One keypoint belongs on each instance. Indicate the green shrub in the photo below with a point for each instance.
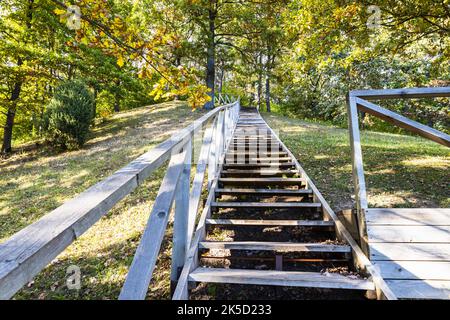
(68, 116)
(105, 104)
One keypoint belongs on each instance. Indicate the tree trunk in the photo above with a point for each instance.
(15, 94)
(10, 115)
(117, 97)
(221, 77)
(260, 81)
(268, 92)
(269, 65)
(211, 59)
(116, 102)
(177, 64)
(94, 111)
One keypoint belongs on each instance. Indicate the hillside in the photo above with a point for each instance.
(401, 171)
(35, 181)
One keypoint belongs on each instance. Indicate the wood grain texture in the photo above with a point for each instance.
(242, 222)
(414, 270)
(144, 261)
(410, 251)
(279, 278)
(409, 234)
(408, 217)
(407, 93)
(420, 289)
(271, 246)
(403, 122)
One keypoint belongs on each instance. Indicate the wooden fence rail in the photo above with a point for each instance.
(357, 101)
(31, 249)
(176, 186)
(221, 98)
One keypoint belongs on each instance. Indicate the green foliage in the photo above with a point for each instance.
(303, 55)
(338, 51)
(104, 104)
(322, 94)
(68, 115)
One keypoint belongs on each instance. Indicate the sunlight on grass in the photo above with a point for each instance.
(35, 181)
(436, 162)
(401, 170)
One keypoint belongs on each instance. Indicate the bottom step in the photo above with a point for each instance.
(279, 278)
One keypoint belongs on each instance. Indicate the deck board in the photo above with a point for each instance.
(420, 289)
(411, 217)
(411, 248)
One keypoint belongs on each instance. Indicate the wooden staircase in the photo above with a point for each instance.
(265, 225)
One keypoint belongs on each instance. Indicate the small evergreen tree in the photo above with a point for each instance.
(68, 115)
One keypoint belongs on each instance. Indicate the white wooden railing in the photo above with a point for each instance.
(31, 249)
(358, 101)
(221, 98)
(175, 188)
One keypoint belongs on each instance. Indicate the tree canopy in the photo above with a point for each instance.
(300, 57)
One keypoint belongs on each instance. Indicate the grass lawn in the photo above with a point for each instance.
(34, 182)
(401, 171)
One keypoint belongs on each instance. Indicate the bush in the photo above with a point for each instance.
(105, 104)
(68, 115)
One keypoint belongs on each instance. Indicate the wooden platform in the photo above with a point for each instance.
(411, 248)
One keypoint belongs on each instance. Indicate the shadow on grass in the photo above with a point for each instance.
(36, 182)
(103, 274)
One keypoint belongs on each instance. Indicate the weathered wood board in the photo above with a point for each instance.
(411, 248)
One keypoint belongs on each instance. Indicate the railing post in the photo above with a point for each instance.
(219, 140)
(144, 261)
(230, 123)
(224, 132)
(212, 154)
(197, 184)
(180, 225)
(358, 170)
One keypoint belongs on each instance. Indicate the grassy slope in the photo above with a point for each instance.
(401, 171)
(33, 183)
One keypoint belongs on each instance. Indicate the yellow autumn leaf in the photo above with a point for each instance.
(120, 61)
(59, 11)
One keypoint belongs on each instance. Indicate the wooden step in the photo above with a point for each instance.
(253, 130)
(265, 161)
(254, 139)
(265, 192)
(275, 246)
(252, 136)
(279, 278)
(250, 126)
(252, 146)
(257, 133)
(258, 122)
(270, 159)
(261, 172)
(265, 205)
(289, 223)
(256, 152)
(259, 165)
(246, 141)
(264, 181)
